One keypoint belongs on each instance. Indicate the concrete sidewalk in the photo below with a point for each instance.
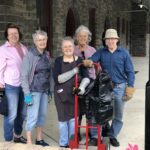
(133, 129)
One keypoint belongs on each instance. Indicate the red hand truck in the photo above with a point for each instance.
(74, 143)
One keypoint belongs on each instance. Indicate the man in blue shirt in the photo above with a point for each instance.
(116, 61)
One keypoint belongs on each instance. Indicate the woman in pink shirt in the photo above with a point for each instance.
(83, 49)
(12, 53)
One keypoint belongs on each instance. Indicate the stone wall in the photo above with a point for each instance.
(20, 12)
(110, 8)
(24, 13)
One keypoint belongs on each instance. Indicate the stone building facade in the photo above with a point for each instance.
(61, 17)
(21, 12)
(96, 14)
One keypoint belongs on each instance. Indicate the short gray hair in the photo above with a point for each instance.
(67, 38)
(39, 32)
(85, 29)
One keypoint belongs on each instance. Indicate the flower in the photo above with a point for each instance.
(132, 147)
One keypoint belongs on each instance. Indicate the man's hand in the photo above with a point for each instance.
(88, 63)
(129, 93)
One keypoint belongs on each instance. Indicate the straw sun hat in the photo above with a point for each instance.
(111, 33)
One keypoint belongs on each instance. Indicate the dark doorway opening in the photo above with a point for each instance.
(72, 22)
(44, 15)
(92, 27)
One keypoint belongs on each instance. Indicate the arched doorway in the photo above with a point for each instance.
(72, 22)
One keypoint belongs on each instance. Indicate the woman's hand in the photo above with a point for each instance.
(28, 99)
(1, 86)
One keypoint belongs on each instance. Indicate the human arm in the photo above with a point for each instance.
(67, 75)
(25, 71)
(1, 86)
(84, 83)
(3, 65)
(85, 79)
(60, 77)
(51, 89)
(51, 80)
(25, 80)
(129, 70)
(94, 58)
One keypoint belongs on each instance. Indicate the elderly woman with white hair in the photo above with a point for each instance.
(36, 73)
(85, 51)
(65, 68)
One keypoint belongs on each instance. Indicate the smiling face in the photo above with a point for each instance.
(13, 36)
(67, 48)
(82, 38)
(111, 43)
(40, 42)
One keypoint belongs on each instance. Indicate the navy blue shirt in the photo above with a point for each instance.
(117, 64)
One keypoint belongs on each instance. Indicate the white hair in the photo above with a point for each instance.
(37, 33)
(83, 28)
(67, 38)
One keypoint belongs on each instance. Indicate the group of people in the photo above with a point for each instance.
(27, 76)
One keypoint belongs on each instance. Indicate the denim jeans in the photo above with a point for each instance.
(14, 120)
(66, 130)
(36, 113)
(117, 122)
(93, 131)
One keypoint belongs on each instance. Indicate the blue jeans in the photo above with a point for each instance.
(36, 113)
(117, 123)
(66, 130)
(93, 131)
(14, 120)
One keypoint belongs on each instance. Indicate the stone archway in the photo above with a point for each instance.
(72, 22)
